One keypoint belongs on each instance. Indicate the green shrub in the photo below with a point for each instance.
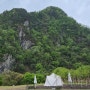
(0, 80)
(11, 78)
(63, 72)
(28, 78)
(82, 72)
(40, 78)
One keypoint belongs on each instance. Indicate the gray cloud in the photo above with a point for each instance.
(78, 9)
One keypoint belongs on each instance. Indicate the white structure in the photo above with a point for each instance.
(69, 78)
(53, 80)
(35, 81)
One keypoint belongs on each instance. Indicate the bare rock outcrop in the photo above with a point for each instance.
(7, 64)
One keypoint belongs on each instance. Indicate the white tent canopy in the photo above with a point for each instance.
(53, 80)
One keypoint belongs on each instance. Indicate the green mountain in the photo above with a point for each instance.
(42, 41)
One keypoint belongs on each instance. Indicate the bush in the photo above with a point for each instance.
(63, 72)
(82, 72)
(11, 78)
(40, 78)
(28, 78)
(0, 80)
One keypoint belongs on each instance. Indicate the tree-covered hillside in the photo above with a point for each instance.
(42, 41)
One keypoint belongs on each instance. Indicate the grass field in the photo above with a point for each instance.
(22, 87)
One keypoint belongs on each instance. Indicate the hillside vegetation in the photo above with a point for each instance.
(42, 41)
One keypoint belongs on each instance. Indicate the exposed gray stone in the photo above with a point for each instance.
(7, 64)
(26, 23)
(26, 44)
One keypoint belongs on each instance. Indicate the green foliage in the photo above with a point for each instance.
(63, 72)
(40, 78)
(0, 80)
(28, 78)
(11, 78)
(83, 72)
(58, 40)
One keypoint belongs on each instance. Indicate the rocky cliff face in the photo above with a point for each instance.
(25, 44)
(7, 64)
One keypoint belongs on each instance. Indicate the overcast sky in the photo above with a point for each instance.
(78, 9)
